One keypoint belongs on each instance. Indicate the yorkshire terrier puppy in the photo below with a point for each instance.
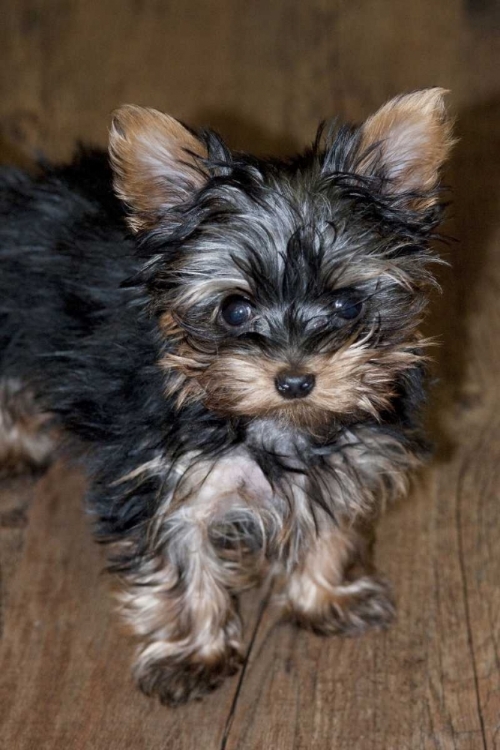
(235, 344)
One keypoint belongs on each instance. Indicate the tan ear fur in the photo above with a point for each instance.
(410, 138)
(155, 164)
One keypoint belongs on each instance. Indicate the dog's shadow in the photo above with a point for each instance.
(249, 136)
(474, 217)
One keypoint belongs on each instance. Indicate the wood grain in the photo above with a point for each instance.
(265, 74)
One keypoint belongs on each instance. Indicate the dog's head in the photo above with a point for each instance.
(291, 289)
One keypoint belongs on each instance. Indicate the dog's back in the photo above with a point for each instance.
(64, 252)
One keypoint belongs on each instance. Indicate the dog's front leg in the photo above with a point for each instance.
(178, 604)
(332, 589)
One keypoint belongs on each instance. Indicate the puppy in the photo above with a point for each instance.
(233, 345)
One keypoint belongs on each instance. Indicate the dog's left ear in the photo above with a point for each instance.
(406, 142)
(157, 163)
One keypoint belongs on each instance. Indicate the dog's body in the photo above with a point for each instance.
(262, 414)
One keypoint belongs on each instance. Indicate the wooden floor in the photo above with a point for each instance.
(265, 73)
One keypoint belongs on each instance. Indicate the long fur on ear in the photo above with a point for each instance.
(157, 162)
(406, 142)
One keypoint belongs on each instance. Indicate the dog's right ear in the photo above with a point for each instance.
(157, 163)
(407, 142)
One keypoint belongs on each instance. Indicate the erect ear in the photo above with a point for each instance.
(407, 141)
(157, 163)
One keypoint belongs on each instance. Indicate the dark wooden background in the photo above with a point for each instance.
(264, 73)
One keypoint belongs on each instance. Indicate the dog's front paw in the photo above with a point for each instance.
(350, 609)
(176, 680)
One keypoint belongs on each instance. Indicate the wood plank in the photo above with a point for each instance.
(197, 62)
(477, 280)
(15, 497)
(21, 120)
(65, 678)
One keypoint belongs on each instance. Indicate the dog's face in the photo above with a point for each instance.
(287, 289)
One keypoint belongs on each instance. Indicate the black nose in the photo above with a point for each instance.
(290, 385)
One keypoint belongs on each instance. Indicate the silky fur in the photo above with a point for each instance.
(203, 479)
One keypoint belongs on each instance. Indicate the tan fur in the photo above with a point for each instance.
(170, 327)
(156, 162)
(183, 366)
(25, 442)
(321, 598)
(357, 378)
(412, 137)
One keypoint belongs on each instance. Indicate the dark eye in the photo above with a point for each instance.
(236, 311)
(348, 306)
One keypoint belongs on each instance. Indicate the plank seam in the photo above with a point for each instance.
(229, 721)
(458, 520)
